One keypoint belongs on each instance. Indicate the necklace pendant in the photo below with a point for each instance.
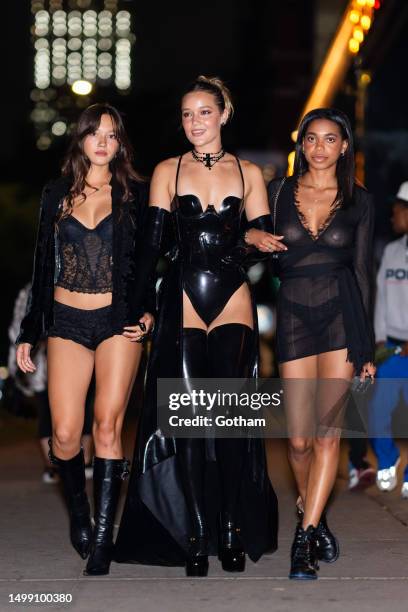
(208, 159)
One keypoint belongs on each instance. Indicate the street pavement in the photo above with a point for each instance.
(36, 557)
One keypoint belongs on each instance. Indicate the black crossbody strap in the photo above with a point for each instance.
(275, 202)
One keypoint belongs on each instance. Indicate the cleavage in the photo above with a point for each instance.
(190, 204)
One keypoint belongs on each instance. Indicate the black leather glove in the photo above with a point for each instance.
(245, 255)
(147, 255)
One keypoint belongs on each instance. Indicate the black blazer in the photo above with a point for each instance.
(128, 221)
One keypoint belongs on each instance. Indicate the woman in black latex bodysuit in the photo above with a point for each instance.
(83, 300)
(206, 328)
(324, 326)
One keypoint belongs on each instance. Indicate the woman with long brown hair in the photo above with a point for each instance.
(83, 300)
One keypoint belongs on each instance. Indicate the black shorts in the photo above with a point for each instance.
(86, 327)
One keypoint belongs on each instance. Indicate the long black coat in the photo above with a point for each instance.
(155, 521)
(128, 220)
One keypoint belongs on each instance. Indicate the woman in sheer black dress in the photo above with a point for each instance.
(206, 328)
(323, 314)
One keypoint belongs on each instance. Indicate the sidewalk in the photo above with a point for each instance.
(371, 574)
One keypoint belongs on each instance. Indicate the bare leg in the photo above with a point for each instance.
(299, 396)
(332, 398)
(116, 364)
(70, 367)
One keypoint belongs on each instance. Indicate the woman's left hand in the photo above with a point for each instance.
(137, 333)
(263, 241)
(368, 370)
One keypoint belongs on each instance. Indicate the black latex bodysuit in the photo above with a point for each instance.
(207, 260)
(84, 256)
(205, 239)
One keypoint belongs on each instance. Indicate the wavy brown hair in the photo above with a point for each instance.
(76, 164)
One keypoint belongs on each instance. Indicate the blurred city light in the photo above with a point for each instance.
(79, 45)
(358, 34)
(365, 22)
(350, 36)
(82, 87)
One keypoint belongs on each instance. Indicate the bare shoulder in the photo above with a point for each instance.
(252, 172)
(166, 167)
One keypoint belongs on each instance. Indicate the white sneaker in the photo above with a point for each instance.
(361, 479)
(404, 490)
(387, 478)
(50, 476)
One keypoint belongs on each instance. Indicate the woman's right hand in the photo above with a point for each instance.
(24, 361)
(264, 242)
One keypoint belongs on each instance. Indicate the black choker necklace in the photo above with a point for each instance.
(208, 159)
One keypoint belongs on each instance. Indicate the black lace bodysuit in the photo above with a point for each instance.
(205, 237)
(84, 256)
(325, 292)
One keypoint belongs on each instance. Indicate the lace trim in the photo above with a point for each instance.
(63, 285)
(86, 270)
(334, 207)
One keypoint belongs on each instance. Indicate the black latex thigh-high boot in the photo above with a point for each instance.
(229, 350)
(191, 459)
(72, 474)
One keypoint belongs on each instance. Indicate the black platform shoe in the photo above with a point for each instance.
(197, 560)
(327, 545)
(231, 552)
(108, 476)
(72, 475)
(304, 563)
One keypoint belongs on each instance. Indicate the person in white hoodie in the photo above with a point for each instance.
(391, 334)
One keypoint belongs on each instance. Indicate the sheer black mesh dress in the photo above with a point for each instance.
(325, 293)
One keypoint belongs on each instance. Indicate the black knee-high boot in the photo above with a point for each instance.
(107, 480)
(72, 474)
(229, 349)
(191, 458)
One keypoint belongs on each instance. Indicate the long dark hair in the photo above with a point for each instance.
(76, 164)
(345, 170)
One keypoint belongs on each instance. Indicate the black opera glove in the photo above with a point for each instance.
(147, 255)
(245, 255)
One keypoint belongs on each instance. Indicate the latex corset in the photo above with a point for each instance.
(205, 239)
